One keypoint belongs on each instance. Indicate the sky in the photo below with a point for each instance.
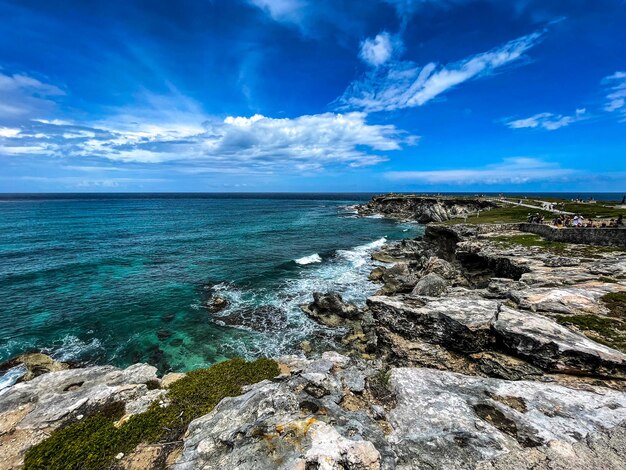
(312, 95)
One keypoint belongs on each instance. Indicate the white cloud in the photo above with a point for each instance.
(22, 96)
(8, 132)
(406, 85)
(517, 170)
(548, 121)
(256, 143)
(616, 93)
(378, 50)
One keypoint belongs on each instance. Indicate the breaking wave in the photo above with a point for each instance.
(314, 258)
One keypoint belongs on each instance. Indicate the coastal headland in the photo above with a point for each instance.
(489, 345)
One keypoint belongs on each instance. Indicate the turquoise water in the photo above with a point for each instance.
(120, 279)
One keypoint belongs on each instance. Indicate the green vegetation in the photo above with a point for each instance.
(531, 240)
(502, 215)
(512, 213)
(593, 210)
(94, 442)
(616, 303)
(607, 331)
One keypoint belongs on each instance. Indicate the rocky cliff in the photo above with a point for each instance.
(423, 209)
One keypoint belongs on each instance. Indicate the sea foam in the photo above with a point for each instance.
(314, 258)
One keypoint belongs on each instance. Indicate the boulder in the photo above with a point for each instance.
(553, 347)
(441, 267)
(377, 274)
(330, 309)
(399, 278)
(460, 324)
(217, 304)
(432, 285)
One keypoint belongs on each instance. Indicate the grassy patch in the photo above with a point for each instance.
(603, 330)
(501, 215)
(94, 442)
(513, 213)
(531, 240)
(616, 303)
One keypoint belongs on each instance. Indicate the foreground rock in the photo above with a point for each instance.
(338, 413)
(447, 420)
(29, 411)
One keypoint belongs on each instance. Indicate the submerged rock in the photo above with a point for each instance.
(217, 304)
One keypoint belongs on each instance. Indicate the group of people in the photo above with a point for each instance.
(576, 221)
(580, 221)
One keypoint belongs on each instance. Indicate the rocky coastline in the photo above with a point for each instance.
(479, 351)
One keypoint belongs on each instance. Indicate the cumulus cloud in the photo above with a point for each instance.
(516, 170)
(256, 143)
(378, 50)
(403, 84)
(547, 121)
(22, 97)
(616, 93)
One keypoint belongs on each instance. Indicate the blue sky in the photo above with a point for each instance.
(313, 95)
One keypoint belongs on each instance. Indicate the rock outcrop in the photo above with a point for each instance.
(29, 411)
(424, 209)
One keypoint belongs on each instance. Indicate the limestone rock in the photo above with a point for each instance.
(35, 364)
(170, 378)
(553, 347)
(330, 309)
(30, 410)
(441, 267)
(460, 324)
(399, 278)
(376, 274)
(432, 285)
(448, 420)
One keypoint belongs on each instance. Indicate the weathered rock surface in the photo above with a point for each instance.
(33, 365)
(431, 284)
(459, 324)
(330, 309)
(603, 450)
(399, 278)
(447, 420)
(435, 419)
(30, 410)
(553, 347)
(295, 423)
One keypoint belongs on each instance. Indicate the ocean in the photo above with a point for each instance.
(124, 278)
(118, 279)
